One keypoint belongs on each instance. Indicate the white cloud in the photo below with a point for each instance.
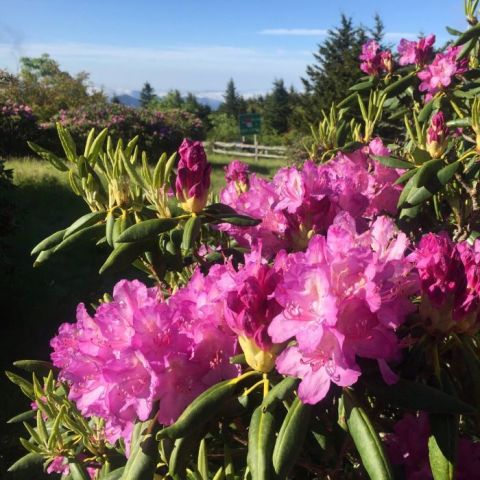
(301, 32)
(399, 35)
(188, 68)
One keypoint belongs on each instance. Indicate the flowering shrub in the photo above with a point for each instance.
(159, 131)
(315, 325)
(17, 125)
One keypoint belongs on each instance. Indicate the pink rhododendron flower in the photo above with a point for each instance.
(437, 135)
(407, 446)
(374, 60)
(343, 297)
(250, 307)
(136, 350)
(449, 275)
(301, 202)
(237, 172)
(59, 465)
(439, 74)
(193, 176)
(416, 53)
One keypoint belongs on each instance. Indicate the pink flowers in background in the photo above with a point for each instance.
(416, 53)
(440, 73)
(136, 350)
(407, 447)
(374, 60)
(193, 176)
(343, 297)
(450, 283)
(299, 203)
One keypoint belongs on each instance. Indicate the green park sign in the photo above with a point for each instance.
(250, 123)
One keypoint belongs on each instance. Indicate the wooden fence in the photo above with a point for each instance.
(247, 150)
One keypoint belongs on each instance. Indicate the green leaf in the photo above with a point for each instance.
(115, 474)
(93, 232)
(347, 100)
(261, 438)
(27, 462)
(407, 189)
(21, 417)
(49, 242)
(366, 440)
(473, 32)
(280, 391)
(169, 168)
(191, 232)
(40, 367)
(25, 385)
(453, 31)
(147, 229)
(393, 162)
(361, 86)
(460, 122)
(473, 366)
(400, 85)
(219, 209)
(426, 111)
(182, 451)
(202, 409)
(144, 456)
(110, 223)
(236, 219)
(158, 172)
(96, 146)
(202, 460)
(406, 176)
(77, 471)
(418, 396)
(123, 255)
(291, 437)
(442, 446)
(67, 142)
(50, 157)
(132, 172)
(445, 174)
(86, 220)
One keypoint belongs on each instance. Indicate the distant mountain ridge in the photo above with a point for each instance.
(132, 99)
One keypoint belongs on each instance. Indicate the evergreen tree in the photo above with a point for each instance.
(233, 103)
(336, 68)
(173, 99)
(277, 108)
(378, 30)
(147, 95)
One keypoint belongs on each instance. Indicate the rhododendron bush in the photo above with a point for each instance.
(321, 324)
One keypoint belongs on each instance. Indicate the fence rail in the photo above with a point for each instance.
(248, 150)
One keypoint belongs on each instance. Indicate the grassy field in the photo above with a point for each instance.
(37, 300)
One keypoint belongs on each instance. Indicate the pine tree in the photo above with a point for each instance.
(336, 68)
(233, 103)
(277, 108)
(147, 95)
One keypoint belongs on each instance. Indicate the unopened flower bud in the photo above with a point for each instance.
(193, 176)
(437, 135)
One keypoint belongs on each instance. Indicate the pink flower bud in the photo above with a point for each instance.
(437, 135)
(193, 176)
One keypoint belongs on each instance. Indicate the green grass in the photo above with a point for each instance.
(37, 300)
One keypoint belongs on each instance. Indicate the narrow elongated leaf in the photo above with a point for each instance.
(460, 122)
(115, 474)
(358, 87)
(183, 450)
(393, 162)
(29, 461)
(367, 440)
(426, 111)
(50, 157)
(49, 242)
(22, 417)
(418, 396)
(86, 220)
(261, 438)
(191, 231)
(445, 174)
(442, 446)
(406, 176)
(291, 437)
(400, 85)
(237, 219)
(202, 460)
(407, 189)
(96, 146)
(40, 367)
(202, 409)
(78, 472)
(280, 391)
(147, 229)
(93, 232)
(123, 255)
(473, 32)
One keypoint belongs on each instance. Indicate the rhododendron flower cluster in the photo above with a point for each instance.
(343, 297)
(299, 203)
(439, 74)
(416, 53)
(136, 350)
(408, 448)
(450, 283)
(374, 60)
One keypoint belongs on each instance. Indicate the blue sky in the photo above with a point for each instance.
(197, 45)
